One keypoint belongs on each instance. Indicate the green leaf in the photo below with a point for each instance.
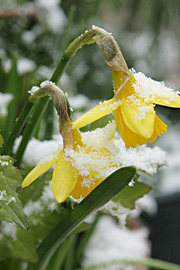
(111, 186)
(130, 194)
(23, 245)
(12, 88)
(10, 205)
(83, 227)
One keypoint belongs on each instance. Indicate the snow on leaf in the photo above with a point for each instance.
(10, 204)
(128, 196)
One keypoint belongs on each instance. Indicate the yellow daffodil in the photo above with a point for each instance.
(133, 108)
(79, 170)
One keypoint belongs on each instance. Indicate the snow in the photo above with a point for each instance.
(116, 210)
(52, 15)
(4, 102)
(142, 157)
(79, 102)
(33, 209)
(37, 150)
(44, 83)
(44, 72)
(48, 198)
(47, 82)
(109, 243)
(169, 178)
(100, 137)
(24, 65)
(149, 89)
(8, 229)
(94, 158)
(4, 163)
(6, 198)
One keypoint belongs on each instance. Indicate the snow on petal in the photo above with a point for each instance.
(173, 101)
(155, 92)
(139, 117)
(41, 168)
(100, 137)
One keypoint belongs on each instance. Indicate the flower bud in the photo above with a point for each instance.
(62, 107)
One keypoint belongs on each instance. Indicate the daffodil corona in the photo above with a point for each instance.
(133, 108)
(79, 170)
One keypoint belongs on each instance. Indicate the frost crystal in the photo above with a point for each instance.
(33, 89)
(95, 157)
(6, 198)
(116, 210)
(46, 83)
(4, 163)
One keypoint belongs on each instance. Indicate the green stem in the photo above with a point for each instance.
(38, 109)
(49, 115)
(85, 39)
(12, 88)
(37, 114)
(70, 52)
(17, 128)
(153, 263)
(59, 256)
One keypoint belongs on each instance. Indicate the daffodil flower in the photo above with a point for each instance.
(79, 170)
(133, 108)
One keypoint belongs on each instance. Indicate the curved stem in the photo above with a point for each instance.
(43, 103)
(113, 58)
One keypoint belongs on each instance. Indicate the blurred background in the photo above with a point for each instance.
(34, 35)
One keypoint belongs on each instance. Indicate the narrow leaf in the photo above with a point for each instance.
(12, 88)
(152, 263)
(111, 186)
(10, 205)
(1, 140)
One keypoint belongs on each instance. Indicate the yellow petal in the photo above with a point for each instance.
(77, 140)
(118, 80)
(173, 102)
(159, 128)
(130, 138)
(97, 112)
(64, 179)
(139, 118)
(81, 190)
(41, 168)
(119, 122)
